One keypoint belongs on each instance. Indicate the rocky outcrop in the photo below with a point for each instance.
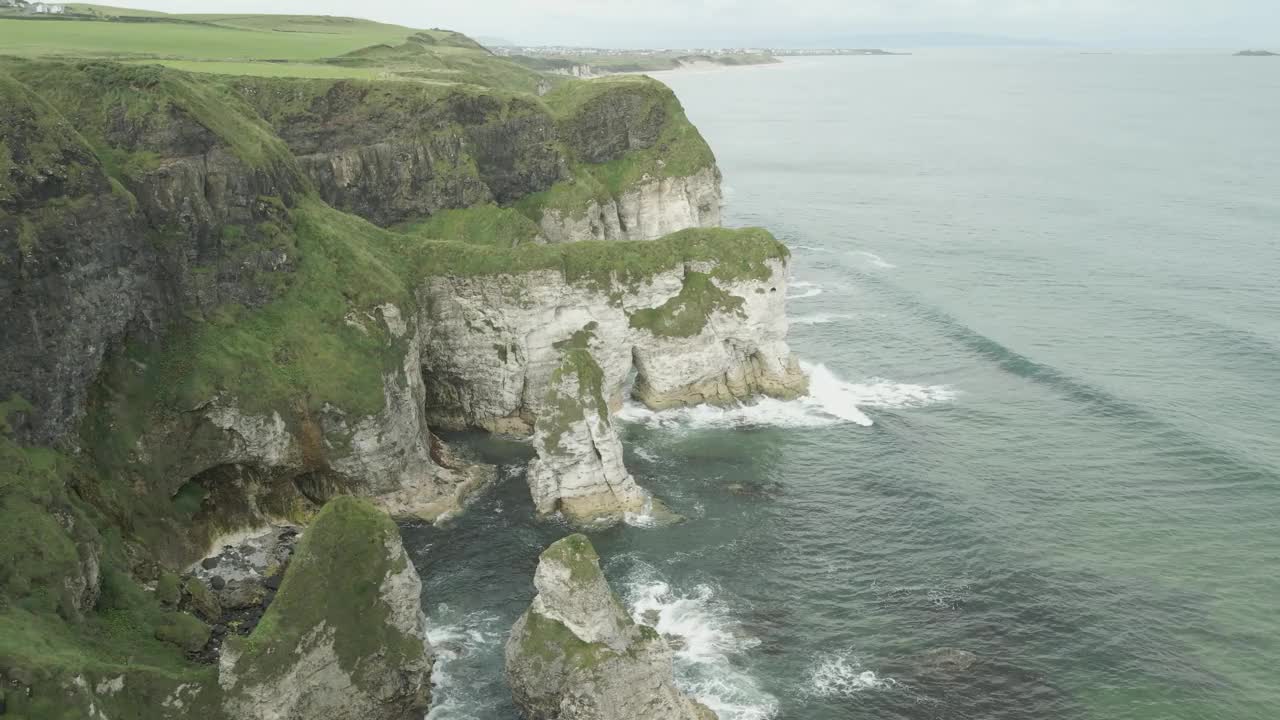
(697, 330)
(577, 655)
(345, 638)
(654, 207)
(261, 467)
(579, 471)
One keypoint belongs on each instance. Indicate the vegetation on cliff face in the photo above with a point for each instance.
(686, 314)
(734, 254)
(193, 211)
(69, 607)
(619, 132)
(334, 585)
(566, 409)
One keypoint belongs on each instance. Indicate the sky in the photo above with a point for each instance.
(807, 23)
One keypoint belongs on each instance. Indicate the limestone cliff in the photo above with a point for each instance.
(579, 470)
(654, 207)
(696, 321)
(577, 655)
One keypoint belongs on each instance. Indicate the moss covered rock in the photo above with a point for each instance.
(345, 636)
(577, 655)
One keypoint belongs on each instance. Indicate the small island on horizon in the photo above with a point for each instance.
(1256, 53)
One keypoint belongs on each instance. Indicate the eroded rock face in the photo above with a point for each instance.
(345, 638)
(490, 346)
(579, 470)
(653, 208)
(577, 655)
(389, 457)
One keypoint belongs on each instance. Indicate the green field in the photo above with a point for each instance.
(187, 39)
(263, 46)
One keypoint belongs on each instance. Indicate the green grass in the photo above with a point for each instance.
(268, 46)
(87, 38)
(46, 531)
(91, 97)
(604, 265)
(334, 581)
(678, 150)
(269, 69)
(487, 225)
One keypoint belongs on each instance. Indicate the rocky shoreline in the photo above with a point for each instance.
(237, 319)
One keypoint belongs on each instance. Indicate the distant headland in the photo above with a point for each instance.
(593, 62)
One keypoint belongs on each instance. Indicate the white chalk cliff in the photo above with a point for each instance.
(652, 208)
(490, 345)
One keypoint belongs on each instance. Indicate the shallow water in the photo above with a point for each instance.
(1038, 296)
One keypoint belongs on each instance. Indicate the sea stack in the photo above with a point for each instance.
(579, 471)
(576, 654)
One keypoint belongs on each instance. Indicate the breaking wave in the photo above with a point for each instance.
(806, 290)
(874, 260)
(463, 643)
(821, 318)
(842, 675)
(705, 638)
(831, 401)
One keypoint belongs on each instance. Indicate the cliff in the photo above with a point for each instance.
(234, 301)
(698, 315)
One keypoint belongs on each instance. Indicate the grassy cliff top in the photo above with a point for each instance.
(262, 45)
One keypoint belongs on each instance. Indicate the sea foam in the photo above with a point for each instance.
(806, 290)
(874, 260)
(831, 401)
(461, 640)
(842, 675)
(708, 640)
(819, 318)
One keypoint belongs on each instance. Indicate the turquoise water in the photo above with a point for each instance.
(1050, 280)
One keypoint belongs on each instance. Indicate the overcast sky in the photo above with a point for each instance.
(649, 23)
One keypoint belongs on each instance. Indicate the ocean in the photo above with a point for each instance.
(1039, 474)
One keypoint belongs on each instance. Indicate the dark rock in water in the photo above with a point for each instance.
(209, 563)
(947, 660)
(675, 642)
(217, 583)
(651, 617)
